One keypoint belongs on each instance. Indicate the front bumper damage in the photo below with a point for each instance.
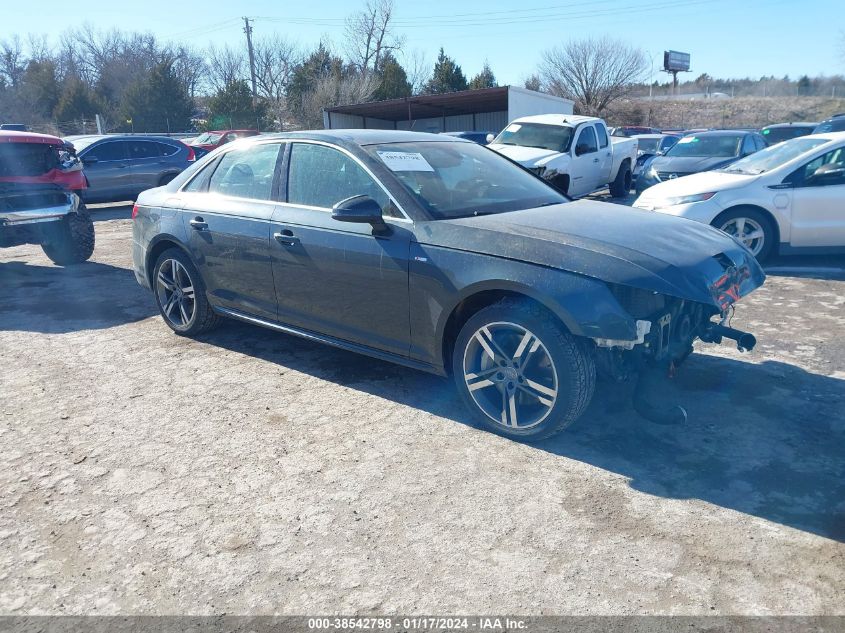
(667, 327)
(28, 212)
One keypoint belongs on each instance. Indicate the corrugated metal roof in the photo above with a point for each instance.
(430, 106)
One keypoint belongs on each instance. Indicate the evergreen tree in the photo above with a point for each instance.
(484, 79)
(447, 76)
(394, 80)
(157, 102)
(77, 102)
(320, 64)
(232, 107)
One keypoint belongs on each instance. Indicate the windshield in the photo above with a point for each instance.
(208, 139)
(81, 142)
(720, 146)
(647, 145)
(775, 156)
(553, 137)
(834, 125)
(455, 179)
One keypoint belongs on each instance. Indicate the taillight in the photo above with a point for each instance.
(191, 155)
(134, 211)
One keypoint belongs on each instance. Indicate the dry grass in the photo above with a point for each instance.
(737, 112)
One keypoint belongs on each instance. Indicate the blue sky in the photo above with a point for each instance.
(726, 38)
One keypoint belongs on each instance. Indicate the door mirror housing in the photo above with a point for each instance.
(360, 210)
(490, 138)
(827, 174)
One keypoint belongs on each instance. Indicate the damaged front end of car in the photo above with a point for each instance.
(667, 326)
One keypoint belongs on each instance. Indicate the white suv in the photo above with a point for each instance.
(788, 197)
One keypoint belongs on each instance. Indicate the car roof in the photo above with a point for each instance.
(722, 133)
(650, 136)
(791, 124)
(11, 136)
(363, 137)
(120, 137)
(556, 119)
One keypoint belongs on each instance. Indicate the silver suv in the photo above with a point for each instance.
(121, 167)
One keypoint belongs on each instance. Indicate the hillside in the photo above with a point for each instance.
(737, 112)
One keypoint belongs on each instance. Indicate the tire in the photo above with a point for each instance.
(72, 241)
(751, 221)
(180, 294)
(621, 186)
(547, 380)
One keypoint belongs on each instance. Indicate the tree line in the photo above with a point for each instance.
(136, 82)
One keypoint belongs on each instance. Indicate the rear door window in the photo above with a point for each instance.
(167, 150)
(247, 172)
(602, 135)
(143, 149)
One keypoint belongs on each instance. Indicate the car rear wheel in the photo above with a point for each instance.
(180, 294)
(72, 240)
(751, 227)
(520, 373)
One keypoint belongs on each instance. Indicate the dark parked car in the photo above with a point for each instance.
(441, 255)
(699, 152)
(836, 123)
(632, 130)
(649, 145)
(779, 132)
(13, 127)
(121, 167)
(475, 137)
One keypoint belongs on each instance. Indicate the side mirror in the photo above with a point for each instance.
(359, 209)
(827, 173)
(490, 138)
(90, 160)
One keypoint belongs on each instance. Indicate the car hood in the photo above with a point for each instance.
(705, 182)
(690, 164)
(525, 156)
(612, 243)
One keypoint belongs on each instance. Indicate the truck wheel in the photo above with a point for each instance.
(520, 373)
(621, 186)
(180, 295)
(72, 242)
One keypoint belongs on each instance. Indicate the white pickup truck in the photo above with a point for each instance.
(574, 153)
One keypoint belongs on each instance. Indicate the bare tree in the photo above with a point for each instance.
(12, 61)
(369, 35)
(225, 66)
(418, 67)
(275, 60)
(592, 72)
(335, 90)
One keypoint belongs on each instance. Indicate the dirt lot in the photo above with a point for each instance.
(252, 472)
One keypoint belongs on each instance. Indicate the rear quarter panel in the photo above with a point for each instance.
(157, 221)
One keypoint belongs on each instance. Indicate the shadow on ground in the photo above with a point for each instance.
(762, 439)
(88, 296)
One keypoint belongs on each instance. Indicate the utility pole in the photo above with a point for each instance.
(248, 31)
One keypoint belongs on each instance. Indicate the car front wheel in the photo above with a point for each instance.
(520, 373)
(71, 240)
(180, 294)
(750, 227)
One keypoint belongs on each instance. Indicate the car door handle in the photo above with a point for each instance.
(124, 166)
(595, 160)
(286, 237)
(199, 224)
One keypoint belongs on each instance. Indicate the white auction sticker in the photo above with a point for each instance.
(405, 161)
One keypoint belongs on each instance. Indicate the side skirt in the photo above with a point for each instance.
(334, 342)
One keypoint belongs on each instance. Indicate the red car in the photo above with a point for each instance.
(40, 181)
(209, 141)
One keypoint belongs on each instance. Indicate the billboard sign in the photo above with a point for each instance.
(675, 61)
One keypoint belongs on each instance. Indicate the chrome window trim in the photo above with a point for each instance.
(199, 172)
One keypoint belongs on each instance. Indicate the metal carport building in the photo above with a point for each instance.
(486, 110)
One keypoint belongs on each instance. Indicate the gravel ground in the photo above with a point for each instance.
(253, 472)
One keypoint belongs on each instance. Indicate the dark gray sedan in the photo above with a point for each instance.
(438, 254)
(121, 167)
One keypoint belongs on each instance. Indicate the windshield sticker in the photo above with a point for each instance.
(688, 139)
(513, 127)
(405, 161)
